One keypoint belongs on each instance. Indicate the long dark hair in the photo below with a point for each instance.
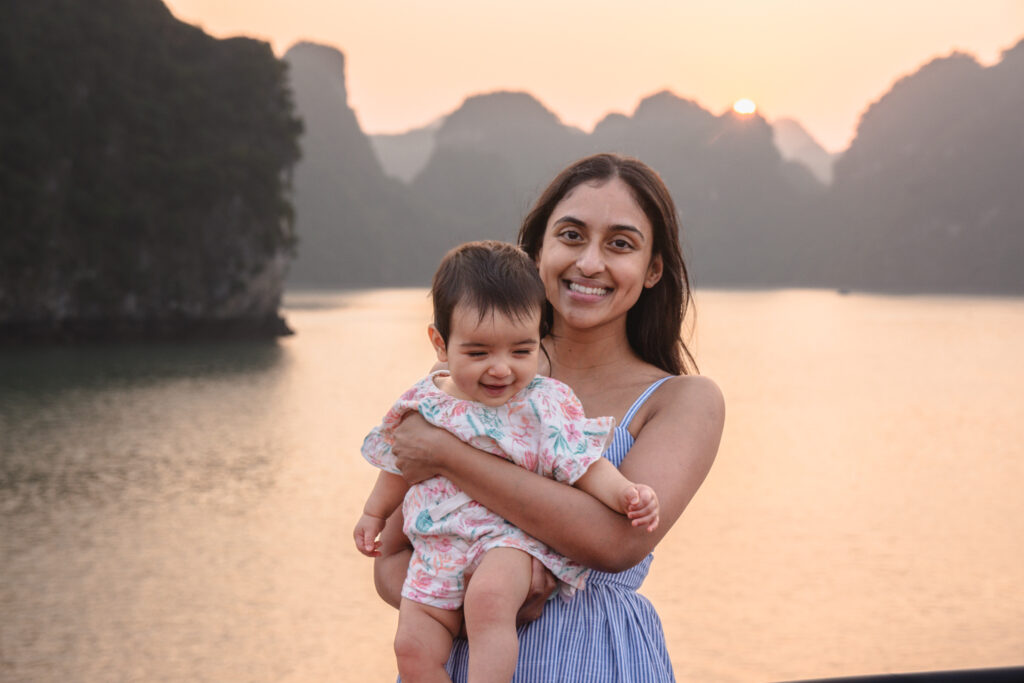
(654, 323)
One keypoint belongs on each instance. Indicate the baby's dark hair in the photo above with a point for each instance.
(489, 276)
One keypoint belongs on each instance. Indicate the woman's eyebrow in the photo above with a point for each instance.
(630, 228)
(570, 219)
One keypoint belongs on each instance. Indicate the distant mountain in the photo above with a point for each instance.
(736, 195)
(925, 199)
(355, 225)
(489, 159)
(796, 144)
(403, 155)
(928, 196)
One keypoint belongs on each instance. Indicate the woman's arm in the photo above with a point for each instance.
(672, 454)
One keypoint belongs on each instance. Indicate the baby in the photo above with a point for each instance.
(488, 300)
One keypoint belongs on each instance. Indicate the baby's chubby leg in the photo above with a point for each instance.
(495, 593)
(424, 641)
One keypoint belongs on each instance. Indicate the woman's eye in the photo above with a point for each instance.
(571, 235)
(622, 244)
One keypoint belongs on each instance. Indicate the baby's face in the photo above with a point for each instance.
(491, 359)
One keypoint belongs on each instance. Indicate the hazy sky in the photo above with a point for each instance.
(819, 61)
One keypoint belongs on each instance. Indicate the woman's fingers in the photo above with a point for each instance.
(409, 447)
(542, 585)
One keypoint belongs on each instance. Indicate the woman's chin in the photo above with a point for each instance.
(585, 319)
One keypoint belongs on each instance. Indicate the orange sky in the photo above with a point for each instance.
(819, 61)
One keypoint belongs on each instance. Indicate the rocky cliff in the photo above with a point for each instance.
(928, 196)
(144, 175)
(355, 225)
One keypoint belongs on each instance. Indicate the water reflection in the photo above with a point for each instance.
(38, 371)
(92, 425)
(181, 512)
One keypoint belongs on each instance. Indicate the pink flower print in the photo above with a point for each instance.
(529, 460)
(421, 581)
(446, 564)
(572, 433)
(573, 410)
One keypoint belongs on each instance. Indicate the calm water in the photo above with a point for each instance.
(183, 513)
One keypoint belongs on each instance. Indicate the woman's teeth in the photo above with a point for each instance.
(587, 290)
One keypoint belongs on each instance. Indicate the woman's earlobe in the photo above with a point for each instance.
(654, 271)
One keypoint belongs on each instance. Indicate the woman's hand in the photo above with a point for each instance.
(418, 446)
(542, 585)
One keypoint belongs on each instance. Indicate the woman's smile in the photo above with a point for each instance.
(586, 290)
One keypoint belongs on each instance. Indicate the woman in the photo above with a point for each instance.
(604, 236)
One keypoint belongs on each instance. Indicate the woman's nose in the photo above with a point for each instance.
(590, 261)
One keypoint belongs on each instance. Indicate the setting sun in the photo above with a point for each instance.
(744, 106)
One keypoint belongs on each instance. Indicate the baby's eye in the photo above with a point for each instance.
(522, 353)
(476, 354)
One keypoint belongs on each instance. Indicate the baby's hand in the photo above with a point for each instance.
(642, 506)
(367, 529)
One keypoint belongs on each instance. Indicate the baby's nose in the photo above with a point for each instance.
(500, 370)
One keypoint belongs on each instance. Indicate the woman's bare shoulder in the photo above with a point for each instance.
(686, 397)
(694, 387)
(677, 442)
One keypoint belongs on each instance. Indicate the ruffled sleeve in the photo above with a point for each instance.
(568, 441)
(377, 444)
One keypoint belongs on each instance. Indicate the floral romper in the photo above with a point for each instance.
(542, 428)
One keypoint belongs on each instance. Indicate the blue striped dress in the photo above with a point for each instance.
(606, 633)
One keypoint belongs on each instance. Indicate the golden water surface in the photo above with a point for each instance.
(183, 513)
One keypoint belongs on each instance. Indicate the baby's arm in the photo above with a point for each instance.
(639, 502)
(385, 498)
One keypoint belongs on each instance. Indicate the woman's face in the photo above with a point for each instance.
(595, 258)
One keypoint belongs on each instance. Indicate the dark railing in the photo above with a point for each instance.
(1012, 674)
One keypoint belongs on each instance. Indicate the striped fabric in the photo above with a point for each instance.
(607, 633)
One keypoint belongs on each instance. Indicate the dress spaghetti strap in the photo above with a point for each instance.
(628, 417)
